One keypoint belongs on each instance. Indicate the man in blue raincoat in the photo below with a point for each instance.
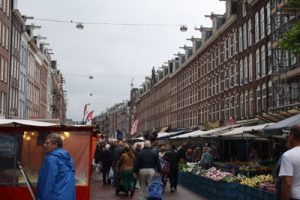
(56, 177)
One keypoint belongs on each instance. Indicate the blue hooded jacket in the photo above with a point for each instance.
(56, 177)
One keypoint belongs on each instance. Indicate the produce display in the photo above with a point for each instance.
(265, 182)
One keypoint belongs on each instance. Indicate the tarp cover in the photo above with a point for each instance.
(25, 122)
(276, 129)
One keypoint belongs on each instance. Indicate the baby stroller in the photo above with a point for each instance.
(120, 185)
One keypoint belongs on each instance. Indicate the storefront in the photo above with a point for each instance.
(22, 140)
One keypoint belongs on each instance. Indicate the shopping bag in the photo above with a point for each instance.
(111, 173)
(155, 189)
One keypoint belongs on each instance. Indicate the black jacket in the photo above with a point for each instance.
(173, 158)
(147, 158)
(107, 158)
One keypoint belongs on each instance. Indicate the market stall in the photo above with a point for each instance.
(217, 184)
(22, 140)
(244, 168)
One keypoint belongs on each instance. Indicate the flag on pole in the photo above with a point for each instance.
(134, 127)
(89, 118)
(118, 134)
(85, 112)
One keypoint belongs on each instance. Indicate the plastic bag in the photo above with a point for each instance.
(111, 173)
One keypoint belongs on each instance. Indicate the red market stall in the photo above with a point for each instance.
(21, 141)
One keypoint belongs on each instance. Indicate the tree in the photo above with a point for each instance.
(291, 38)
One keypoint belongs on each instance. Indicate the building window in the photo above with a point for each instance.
(229, 45)
(256, 23)
(264, 98)
(235, 42)
(250, 68)
(246, 103)
(262, 22)
(263, 60)
(225, 50)
(293, 59)
(257, 64)
(249, 33)
(240, 39)
(235, 106)
(258, 100)
(246, 69)
(241, 72)
(251, 103)
(269, 58)
(244, 8)
(268, 18)
(235, 73)
(270, 94)
(242, 106)
(245, 36)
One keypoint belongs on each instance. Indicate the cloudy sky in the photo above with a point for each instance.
(109, 51)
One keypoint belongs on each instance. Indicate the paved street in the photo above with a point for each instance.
(99, 192)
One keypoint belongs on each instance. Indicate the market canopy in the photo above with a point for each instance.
(215, 131)
(165, 135)
(277, 128)
(187, 135)
(244, 129)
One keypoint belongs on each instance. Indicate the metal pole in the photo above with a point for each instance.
(26, 180)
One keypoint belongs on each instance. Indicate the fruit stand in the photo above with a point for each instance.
(217, 184)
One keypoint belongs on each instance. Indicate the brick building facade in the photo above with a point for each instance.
(229, 75)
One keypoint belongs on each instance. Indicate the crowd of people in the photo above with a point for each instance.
(136, 165)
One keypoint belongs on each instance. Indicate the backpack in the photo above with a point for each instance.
(155, 189)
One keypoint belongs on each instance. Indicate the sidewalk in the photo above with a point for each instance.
(99, 192)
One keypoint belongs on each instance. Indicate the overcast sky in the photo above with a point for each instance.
(114, 54)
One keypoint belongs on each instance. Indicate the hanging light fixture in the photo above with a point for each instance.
(79, 26)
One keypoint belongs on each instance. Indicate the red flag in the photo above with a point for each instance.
(134, 127)
(85, 111)
(89, 118)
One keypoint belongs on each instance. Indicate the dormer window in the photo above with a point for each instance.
(244, 7)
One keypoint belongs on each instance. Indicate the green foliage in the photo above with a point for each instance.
(291, 39)
(294, 3)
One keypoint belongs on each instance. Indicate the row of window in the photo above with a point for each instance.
(5, 6)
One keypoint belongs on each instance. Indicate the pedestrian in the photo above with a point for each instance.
(145, 166)
(56, 179)
(116, 154)
(173, 159)
(126, 169)
(98, 157)
(290, 167)
(106, 162)
(164, 163)
(278, 180)
(206, 159)
(197, 154)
